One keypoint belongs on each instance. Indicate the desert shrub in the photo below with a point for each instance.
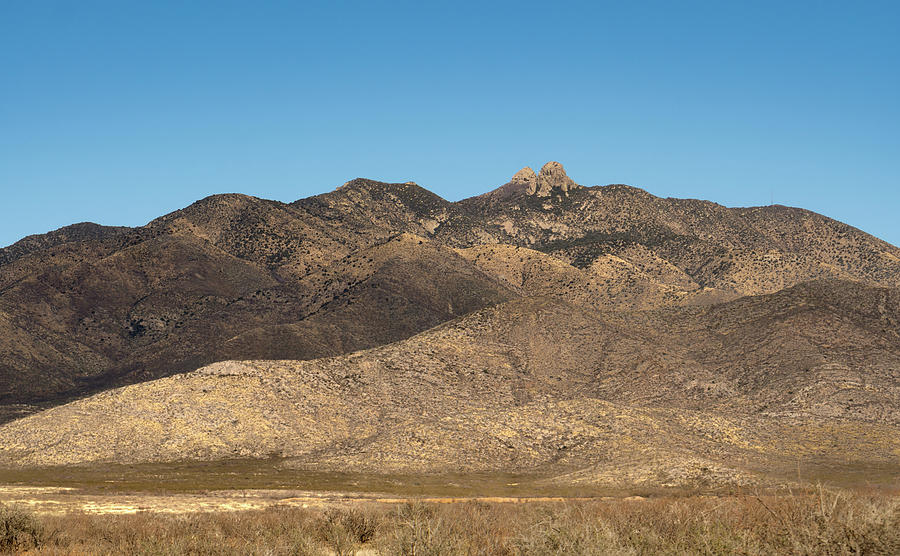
(19, 530)
(835, 522)
(345, 530)
(419, 530)
(566, 530)
(271, 532)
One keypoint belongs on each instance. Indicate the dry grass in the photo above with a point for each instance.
(825, 522)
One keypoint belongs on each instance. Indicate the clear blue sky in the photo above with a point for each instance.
(119, 111)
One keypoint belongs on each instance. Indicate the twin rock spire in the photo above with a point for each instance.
(552, 176)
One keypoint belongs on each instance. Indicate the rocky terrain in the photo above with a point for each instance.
(531, 383)
(600, 333)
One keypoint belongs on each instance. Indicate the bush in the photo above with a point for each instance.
(19, 530)
(419, 530)
(344, 530)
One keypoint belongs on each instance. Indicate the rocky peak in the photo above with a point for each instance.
(553, 176)
(527, 177)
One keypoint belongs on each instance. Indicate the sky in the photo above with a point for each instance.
(120, 111)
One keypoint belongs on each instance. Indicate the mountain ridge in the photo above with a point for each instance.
(86, 307)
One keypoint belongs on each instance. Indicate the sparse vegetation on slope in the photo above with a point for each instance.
(717, 395)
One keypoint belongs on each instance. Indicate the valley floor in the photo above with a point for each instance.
(819, 521)
(262, 507)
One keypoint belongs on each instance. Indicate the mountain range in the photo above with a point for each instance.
(599, 334)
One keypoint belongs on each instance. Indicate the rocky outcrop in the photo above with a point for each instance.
(553, 176)
(526, 177)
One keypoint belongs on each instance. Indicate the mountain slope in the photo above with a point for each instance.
(739, 251)
(179, 302)
(534, 383)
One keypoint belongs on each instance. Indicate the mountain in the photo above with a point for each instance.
(378, 325)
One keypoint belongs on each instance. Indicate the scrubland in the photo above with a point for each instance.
(822, 521)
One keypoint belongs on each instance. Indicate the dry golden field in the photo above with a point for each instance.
(820, 521)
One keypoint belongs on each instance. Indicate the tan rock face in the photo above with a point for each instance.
(553, 176)
(526, 176)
